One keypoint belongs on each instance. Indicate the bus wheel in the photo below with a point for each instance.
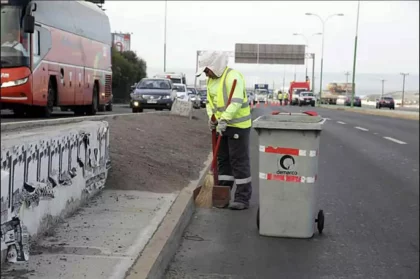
(93, 108)
(48, 109)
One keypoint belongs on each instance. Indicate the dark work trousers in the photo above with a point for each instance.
(234, 163)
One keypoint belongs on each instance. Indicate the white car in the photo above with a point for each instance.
(182, 92)
(306, 98)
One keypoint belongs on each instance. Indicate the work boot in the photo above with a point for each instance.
(238, 206)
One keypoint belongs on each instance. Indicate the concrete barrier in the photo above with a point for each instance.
(182, 108)
(46, 173)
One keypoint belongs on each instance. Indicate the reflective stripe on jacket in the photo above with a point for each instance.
(238, 113)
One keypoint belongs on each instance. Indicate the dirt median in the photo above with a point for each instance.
(156, 152)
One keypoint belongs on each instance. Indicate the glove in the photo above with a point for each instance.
(212, 124)
(221, 127)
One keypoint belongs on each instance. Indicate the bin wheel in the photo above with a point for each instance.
(258, 218)
(320, 221)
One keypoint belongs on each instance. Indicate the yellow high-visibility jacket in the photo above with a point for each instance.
(238, 113)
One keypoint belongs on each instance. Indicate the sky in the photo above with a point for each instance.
(388, 38)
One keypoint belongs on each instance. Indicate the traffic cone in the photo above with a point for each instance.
(258, 104)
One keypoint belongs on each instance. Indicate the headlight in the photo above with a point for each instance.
(167, 97)
(14, 82)
(136, 104)
(193, 99)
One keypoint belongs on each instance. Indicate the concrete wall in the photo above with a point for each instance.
(46, 173)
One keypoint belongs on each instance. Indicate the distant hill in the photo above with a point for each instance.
(397, 95)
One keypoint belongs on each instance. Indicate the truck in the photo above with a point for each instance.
(174, 77)
(334, 91)
(294, 90)
(55, 54)
(260, 93)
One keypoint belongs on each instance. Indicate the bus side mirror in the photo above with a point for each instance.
(29, 24)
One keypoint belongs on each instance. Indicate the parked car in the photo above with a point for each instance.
(153, 93)
(306, 98)
(203, 97)
(181, 91)
(357, 101)
(385, 102)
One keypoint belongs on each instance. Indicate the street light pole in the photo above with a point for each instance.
(347, 82)
(307, 49)
(196, 67)
(323, 40)
(383, 85)
(164, 42)
(353, 84)
(402, 97)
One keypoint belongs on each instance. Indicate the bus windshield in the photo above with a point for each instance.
(14, 42)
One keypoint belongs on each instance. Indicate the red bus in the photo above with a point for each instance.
(55, 54)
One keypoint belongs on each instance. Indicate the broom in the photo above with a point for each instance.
(205, 197)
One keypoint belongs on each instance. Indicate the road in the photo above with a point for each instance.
(369, 191)
(7, 116)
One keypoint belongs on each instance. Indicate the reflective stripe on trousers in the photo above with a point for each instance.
(237, 181)
(234, 162)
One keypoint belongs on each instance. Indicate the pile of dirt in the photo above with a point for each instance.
(157, 152)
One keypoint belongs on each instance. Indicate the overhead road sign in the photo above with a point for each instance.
(270, 54)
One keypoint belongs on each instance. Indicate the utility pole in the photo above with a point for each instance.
(313, 73)
(353, 83)
(347, 82)
(402, 98)
(164, 42)
(383, 85)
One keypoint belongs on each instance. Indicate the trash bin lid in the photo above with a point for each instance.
(289, 121)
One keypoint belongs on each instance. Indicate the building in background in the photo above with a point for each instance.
(121, 41)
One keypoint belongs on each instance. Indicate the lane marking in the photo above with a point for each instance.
(395, 140)
(341, 122)
(361, 128)
(326, 118)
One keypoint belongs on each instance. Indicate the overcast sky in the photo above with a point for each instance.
(388, 31)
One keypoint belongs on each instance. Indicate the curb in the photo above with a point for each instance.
(11, 126)
(413, 116)
(159, 251)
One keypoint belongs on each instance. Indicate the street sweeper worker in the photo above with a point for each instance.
(233, 123)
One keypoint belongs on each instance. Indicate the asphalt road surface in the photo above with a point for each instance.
(8, 116)
(369, 191)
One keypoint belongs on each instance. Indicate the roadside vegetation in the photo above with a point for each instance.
(127, 69)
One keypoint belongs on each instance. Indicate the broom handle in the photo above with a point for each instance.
(219, 138)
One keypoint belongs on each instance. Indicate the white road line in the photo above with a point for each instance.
(360, 128)
(327, 118)
(340, 122)
(395, 140)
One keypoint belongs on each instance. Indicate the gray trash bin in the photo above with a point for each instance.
(288, 170)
